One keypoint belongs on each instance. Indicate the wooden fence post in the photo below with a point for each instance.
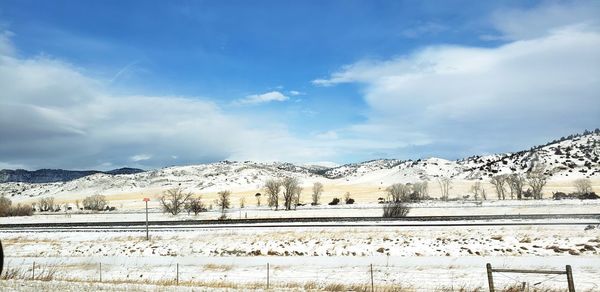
(372, 285)
(570, 279)
(177, 275)
(490, 277)
(100, 272)
(33, 272)
(267, 276)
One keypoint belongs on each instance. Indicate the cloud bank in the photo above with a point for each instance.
(452, 100)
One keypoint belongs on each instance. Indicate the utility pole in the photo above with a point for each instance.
(146, 200)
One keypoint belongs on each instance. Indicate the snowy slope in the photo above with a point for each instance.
(570, 158)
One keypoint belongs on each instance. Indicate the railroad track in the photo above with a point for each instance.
(413, 221)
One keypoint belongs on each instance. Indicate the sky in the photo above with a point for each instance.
(150, 84)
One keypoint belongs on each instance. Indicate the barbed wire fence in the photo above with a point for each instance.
(268, 276)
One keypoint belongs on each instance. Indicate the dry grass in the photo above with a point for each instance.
(42, 273)
(216, 267)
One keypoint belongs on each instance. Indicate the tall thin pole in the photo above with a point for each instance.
(147, 237)
(372, 285)
(267, 276)
(177, 277)
(33, 272)
(100, 272)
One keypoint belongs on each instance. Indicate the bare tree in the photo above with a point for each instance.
(272, 187)
(195, 205)
(95, 203)
(499, 182)
(297, 195)
(242, 202)
(516, 182)
(316, 194)
(399, 192)
(46, 204)
(478, 190)
(445, 187)
(223, 201)
(421, 189)
(583, 185)
(173, 200)
(290, 184)
(537, 179)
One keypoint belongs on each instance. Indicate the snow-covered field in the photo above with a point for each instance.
(418, 259)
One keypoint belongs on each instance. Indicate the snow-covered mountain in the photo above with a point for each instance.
(567, 158)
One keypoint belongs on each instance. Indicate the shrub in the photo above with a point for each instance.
(350, 201)
(395, 210)
(20, 210)
(5, 204)
(335, 201)
(195, 206)
(7, 209)
(588, 196)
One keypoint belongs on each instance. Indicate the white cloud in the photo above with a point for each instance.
(458, 99)
(6, 47)
(140, 157)
(262, 98)
(519, 24)
(51, 115)
(295, 93)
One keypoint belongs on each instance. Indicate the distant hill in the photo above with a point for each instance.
(55, 175)
(567, 158)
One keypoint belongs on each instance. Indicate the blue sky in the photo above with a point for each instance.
(104, 84)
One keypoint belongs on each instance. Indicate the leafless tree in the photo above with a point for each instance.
(421, 189)
(537, 179)
(516, 181)
(242, 202)
(297, 195)
(195, 205)
(445, 187)
(46, 204)
(272, 187)
(173, 200)
(317, 191)
(478, 190)
(289, 184)
(500, 182)
(223, 201)
(583, 185)
(398, 192)
(95, 203)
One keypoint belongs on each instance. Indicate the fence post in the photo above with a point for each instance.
(490, 277)
(100, 272)
(33, 272)
(570, 279)
(267, 276)
(177, 275)
(372, 286)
